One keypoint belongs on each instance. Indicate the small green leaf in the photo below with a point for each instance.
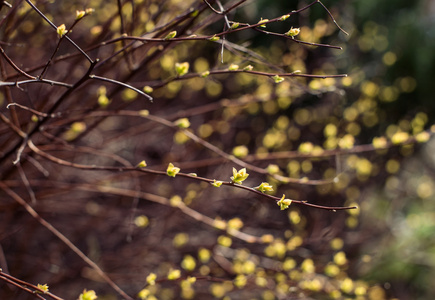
(172, 170)
(61, 30)
(214, 38)
(194, 13)
(182, 68)
(264, 187)
(142, 164)
(216, 183)
(205, 74)
(171, 35)
(239, 176)
(284, 17)
(293, 32)
(277, 79)
(233, 67)
(88, 295)
(263, 21)
(43, 287)
(80, 14)
(235, 25)
(284, 203)
(248, 68)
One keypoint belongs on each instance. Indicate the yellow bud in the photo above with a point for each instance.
(80, 14)
(171, 35)
(172, 170)
(277, 79)
(61, 30)
(43, 287)
(293, 32)
(182, 68)
(142, 164)
(214, 38)
(216, 183)
(263, 21)
(235, 25)
(233, 67)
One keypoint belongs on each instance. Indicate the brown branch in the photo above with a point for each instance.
(4, 278)
(332, 18)
(55, 27)
(122, 84)
(258, 73)
(14, 66)
(296, 40)
(64, 239)
(24, 286)
(156, 172)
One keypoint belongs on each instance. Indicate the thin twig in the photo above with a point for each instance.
(156, 172)
(4, 278)
(13, 65)
(298, 41)
(37, 80)
(55, 27)
(37, 292)
(26, 183)
(122, 84)
(332, 18)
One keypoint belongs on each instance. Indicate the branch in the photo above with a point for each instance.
(55, 27)
(164, 173)
(122, 84)
(36, 291)
(64, 239)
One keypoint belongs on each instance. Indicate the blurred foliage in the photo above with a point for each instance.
(383, 250)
